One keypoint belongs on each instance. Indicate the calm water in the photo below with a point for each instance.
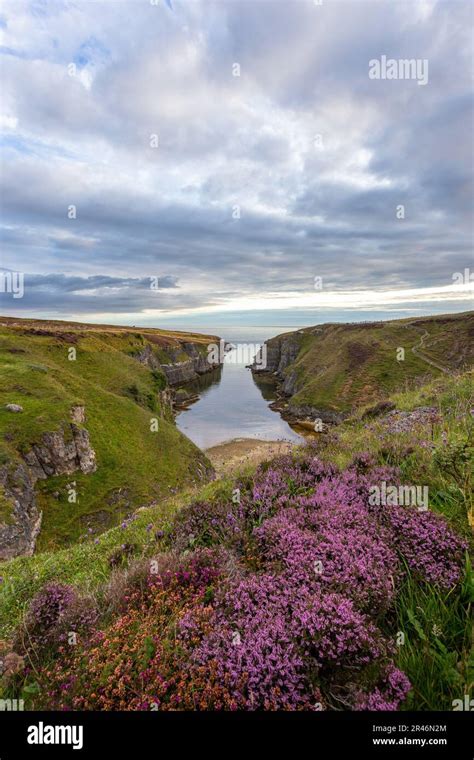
(234, 403)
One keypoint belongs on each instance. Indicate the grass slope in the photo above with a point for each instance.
(340, 366)
(135, 466)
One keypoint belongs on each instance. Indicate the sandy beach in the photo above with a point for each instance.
(232, 455)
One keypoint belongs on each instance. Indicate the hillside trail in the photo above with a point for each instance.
(420, 345)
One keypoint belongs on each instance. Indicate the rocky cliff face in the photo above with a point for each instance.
(282, 351)
(20, 527)
(55, 455)
(59, 453)
(179, 371)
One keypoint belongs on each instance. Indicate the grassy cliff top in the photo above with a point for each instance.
(341, 366)
(54, 326)
(50, 367)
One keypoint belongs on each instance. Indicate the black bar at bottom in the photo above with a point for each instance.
(135, 735)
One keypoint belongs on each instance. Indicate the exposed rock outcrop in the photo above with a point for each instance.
(55, 454)
(289, 386)
(148, 358)
(78, 414)
(167, 402)
(18, 530)
(13, 408)
(179, 371)
(281, 353)
(306, 412)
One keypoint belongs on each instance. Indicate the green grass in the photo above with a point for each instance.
(440, 455)
(342, 366)
(436, 653)
(135, 465)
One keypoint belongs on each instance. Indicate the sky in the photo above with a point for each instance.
(199, 162)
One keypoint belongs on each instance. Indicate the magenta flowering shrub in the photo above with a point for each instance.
(273, 643)
(44, 616)
(332, 555)
(250, 649)
(197, 570)
(430, 548)
(388, 694)
(205, 524)
(328, 568)
(285, 482)
(278, 600)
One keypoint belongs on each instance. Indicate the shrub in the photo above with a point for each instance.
(44, 616)
(281, 601)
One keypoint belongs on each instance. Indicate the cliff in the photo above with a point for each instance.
(328, 371)
(87, 431)
(180, 364)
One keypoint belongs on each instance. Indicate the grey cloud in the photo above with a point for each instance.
(227, 140)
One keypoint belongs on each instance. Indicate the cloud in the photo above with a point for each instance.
(240, 188)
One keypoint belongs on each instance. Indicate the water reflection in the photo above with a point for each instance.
(233, 403)
(203, 383)
(267, 386)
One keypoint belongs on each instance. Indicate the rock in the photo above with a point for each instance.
(289, 350)
(182, 395)
(18, 535)
(280, 353)
(178, 371)
(289, 384)
(56, 456)
(166, 402)
(53, 455)
(78, 414)
(148, 358)
(14, 407)
(85, 454)
(306, 412)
